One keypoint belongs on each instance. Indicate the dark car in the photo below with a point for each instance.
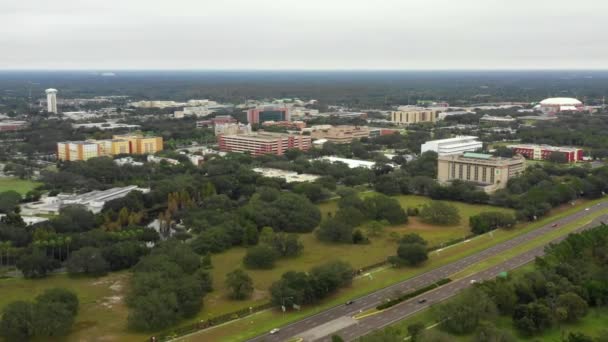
(554, 225)
(423, 300)
(349, 302)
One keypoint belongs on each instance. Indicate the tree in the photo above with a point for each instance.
(579, 337)
(124, 254)
(260, 257)
(440, 213)
(52, 318)
(412, 254)
(488, 332)
(574, 306)
(9, 200)
(490, 220)
(413, 238)
(333, 230)
(336, 338)
(36, 265)
(286, 245)
(463, 314)
(532, 318)
(88, 260)
(240, 284)
(60, 296)
(17, 322)
(374, 229)
(415, 329)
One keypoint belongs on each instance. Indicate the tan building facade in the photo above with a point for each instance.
(339, 134)
(414, 115)
(488, 172)
(120, 144)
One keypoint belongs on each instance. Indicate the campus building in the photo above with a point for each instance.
(486, 171)
(339, 134)
(543, 152)
(267, 113)
(232, 129)
(218, 120)
(407, 115)
(455, 145)
(119, 144)
(263, 143)
(12, 126)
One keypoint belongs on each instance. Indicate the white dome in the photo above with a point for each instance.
(561, 101)
(51, 90)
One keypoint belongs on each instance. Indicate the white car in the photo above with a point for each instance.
(586, 209)
(274, 331)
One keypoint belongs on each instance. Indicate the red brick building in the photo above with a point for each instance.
(543, 152)
(263, 143)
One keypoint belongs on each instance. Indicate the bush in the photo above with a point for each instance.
(260, 257)
(490, 220)
(412, 294)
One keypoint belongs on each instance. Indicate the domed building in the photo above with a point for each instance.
(554, 105)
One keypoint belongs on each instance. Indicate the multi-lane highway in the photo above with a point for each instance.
(338, 320)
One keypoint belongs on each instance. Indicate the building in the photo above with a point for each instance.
(455, 145)
(497, 119)
(119, 144)
(105, 125)
(343, 134)
(344, 115)
(263, 143)
(544, 152)
(554, 105)
(351, 163)
(288, 176)
(407, 115)
(486, 171)
(220, 119)
(93, 201)
(232, 129)
(267, 113)
(51, 100)
(12, 126)
(297, 125)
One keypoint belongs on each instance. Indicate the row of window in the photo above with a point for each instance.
(465, 169)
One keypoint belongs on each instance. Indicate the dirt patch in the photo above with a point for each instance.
(259, 294)
(110, 302)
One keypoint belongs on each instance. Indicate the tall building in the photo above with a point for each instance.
(407, 115)
(119, 144)
(343, 134)
(263, 143)
(267, 113)
(543, 152)
(486, 171)
(51, 100)
(455, 145)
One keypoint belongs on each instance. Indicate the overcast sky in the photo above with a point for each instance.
(303, 34)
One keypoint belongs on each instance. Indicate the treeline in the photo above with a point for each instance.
(565, 284)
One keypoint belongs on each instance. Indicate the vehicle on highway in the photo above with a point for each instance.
(274, 331)
(422, 300)
(473, 281)
(586, 209)
(349, 302)
(554, 225)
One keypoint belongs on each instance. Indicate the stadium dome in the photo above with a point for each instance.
(555, 105)
(561, 101)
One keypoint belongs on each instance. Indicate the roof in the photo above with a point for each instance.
(561, 101)
(51, 90)
(477, 155)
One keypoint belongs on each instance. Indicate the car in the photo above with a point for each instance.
(473, 281)
(422, 300)
(586, 209)
(349, 302)
(554, 225)
(274, 331)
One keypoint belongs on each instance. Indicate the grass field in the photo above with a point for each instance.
(22, 186)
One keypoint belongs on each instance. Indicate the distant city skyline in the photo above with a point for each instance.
(303, 35)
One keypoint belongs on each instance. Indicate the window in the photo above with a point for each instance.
(468, 172)
(460, 171)
(492, 175)
(453, 166)
(476, 173)
(484, 174)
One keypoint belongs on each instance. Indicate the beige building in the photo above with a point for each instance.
(488, 172)
(339, 134)
(411, 115)
(120, 144)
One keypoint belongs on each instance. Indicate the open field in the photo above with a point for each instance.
(22, 186)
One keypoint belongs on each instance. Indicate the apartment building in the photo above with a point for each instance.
(488, 172)
(543, 152)
(119, 144)
(263, 143)
(339, 134)
(407, 115)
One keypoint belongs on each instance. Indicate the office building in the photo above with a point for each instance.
(295, 125)
(51, 100)
(267, 113)
(263, 143)
(407, 115)
(339, 134)
(497, 119)
(119, 144)
(486, 171)
(544, 152)
(232, 129)
(455, 145)
(220, 119)
(12, 126)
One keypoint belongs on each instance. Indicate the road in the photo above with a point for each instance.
(332, 321)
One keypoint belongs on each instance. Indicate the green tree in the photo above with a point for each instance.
(36, 265)
(411, 254)
(333, 230)
(286, 245)
(260, 257)
(414, 330)
(17, 322)
(374, 229)
(60, 296)
(463, 314)
(240, 284)
(88, 260)
(9, 200)
(440, 213)
(574, 306)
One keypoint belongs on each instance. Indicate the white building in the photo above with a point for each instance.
(351, 163)
(288, 176)
(51, 100)
(502, 119)
(449, 146)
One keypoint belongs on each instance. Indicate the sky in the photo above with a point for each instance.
(303, 34)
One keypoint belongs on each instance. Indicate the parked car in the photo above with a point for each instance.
(274, 331)
(349, 302)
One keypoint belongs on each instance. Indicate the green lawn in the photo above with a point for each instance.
(22, 186)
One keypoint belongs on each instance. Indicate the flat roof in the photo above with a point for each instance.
(477, 155)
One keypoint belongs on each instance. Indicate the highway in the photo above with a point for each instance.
(338, 320)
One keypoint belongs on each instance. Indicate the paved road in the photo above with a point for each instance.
(306, 327)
